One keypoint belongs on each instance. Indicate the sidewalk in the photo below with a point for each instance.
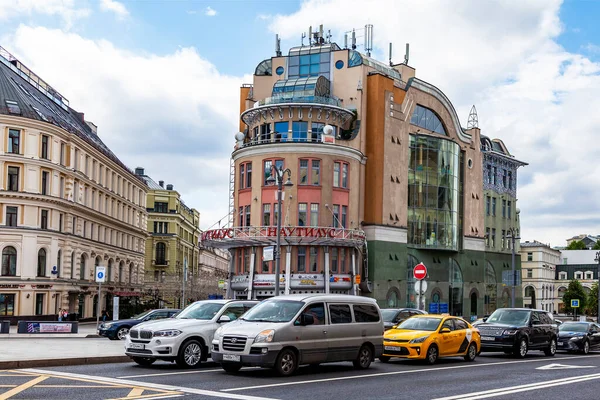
(45, 350)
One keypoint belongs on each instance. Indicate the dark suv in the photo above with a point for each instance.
(518, 330)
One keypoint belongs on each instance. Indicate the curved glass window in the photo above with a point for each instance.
(426, 118)
(354, 59)
(456, 289)
(491, 289)
(433, 184)
(317, 86)
(264, 68)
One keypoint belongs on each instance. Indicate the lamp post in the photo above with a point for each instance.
(279, 173)
(513, 234)
(597, 259)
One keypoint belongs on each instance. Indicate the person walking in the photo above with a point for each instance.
(60, 315)
(104, 315)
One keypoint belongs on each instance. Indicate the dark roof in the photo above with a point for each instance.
(34, 104)
(150, 182)
(534, 243)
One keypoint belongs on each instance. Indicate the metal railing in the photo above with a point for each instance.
(283, 99)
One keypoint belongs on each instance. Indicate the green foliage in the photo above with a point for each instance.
(576, 245)
(592, 300)
(596, 246)
(575, 291)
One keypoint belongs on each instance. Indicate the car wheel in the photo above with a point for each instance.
(586, 347)
(471, 352)
(522, 348)
(432, 354)
(231, 368)
(122, 333)
(143, 360)
(364, 358)
(190, 354)
(286, 363)
(384, 359)
(550, 351)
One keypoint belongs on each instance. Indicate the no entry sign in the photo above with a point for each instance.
(420, 271)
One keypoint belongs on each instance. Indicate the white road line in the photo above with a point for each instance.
(148, 385)
(520, 388)
(412, 371)
(171, 373)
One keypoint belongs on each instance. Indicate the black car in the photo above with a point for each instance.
(579, 336)
(117, 330)
(518, 330)
(395, 316)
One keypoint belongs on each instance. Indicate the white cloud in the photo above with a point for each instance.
(209, 12)
(66, 9)
(114, 6)
(173, 114)
(540, 99)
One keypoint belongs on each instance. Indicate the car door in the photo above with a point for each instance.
(595, 337)
(463, 335)
(313, 344)
(448, 341)
(339, 337)
(537, 337)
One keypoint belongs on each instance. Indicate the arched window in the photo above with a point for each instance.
(41, 264)
(473, 302)
(456, 289)
(9, 261)
(121, 272)
(530, 293)
(82, 267)
(73, 265)
(161, 250)
(109, 271)
(130, 280)
(58, 263)
(428, 119)
(491, 289)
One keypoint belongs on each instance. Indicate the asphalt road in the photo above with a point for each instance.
(492, 375)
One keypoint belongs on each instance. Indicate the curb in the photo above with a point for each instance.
(61, 362)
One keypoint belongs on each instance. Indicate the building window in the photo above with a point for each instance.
(488, 201)
(58, 263)
(510, 182)
(316, 129)
(161, 207)
(161, 251)
(495, 175)
(299, 131)
(333, 258)
(7, 304)
(504, 177)
(41, 263)
(578, 275)
(428, 119)
(489, 174)
(344, 216)
(45, 182)
(267, 169)
(503, 208)
(303, 175)
(63, 154)
(314, 214)
(11, 216)
(44, 152)
(281, 131)
(493, 206)
(14, 141)
(13, 179)
(493, 240)
(487, 237)
(44, 219)
(248, 175)
(9, 262)
(60, 222)
(62, 187)
(266, 214)
(247, 212)
(340, 174)
(242, 175)
(336, 215)
(301, 259)
(509, 209)
(503, 239)
(530, 273)
(589, 275)
(241, 214)
(302, 214)
(265, 133)
(529, 256)
(562, 276)
(39, 303)
(161, 227)
(313, 259)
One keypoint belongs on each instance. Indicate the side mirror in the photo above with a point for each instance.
(445, 330)
(395, 326)
(224, 318)
(484, 319)
(306, 319)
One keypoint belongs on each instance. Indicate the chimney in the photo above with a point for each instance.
(169, 187)
(139, 171)
(161, 184)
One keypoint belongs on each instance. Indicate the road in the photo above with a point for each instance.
(492, 375)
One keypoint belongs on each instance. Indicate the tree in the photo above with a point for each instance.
(592, 300)
(575, 291)
(596, 246)
(576, 245)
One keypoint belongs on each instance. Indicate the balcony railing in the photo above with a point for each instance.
(283, 99)
(282, 138)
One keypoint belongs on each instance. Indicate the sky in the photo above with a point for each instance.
(161, 80)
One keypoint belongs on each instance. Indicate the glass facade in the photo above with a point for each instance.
(426, 118)
(433, 185)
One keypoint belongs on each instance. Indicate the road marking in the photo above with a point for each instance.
(563, 366)
(23, 387)
(136, 392)
(520, 388)
(341, 378)
(168, 388)
(170, 373)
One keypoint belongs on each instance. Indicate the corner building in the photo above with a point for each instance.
(67, 204)
(384, 177)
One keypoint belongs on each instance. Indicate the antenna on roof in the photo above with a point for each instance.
(321, 40)
(368, 39)
(302, 39)
(310, 35)
(473, 119)
(345, 40)
(406, 54)
(391, 63)
(328, 35)
(353, 40)
(277, 46)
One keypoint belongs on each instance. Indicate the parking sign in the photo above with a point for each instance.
(574, 303)
(100, 274)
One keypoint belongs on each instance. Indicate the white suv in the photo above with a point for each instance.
(185, 338)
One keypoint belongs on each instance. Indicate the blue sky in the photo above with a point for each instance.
(161, 80)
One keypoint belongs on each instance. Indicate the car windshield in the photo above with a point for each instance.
(142, 315)
(273, 311)
(569, 327)
(509, 317)
(421, 324)
(200, 310)
(389, 315)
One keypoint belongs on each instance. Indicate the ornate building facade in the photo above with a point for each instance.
(67, 204)
(539, 263)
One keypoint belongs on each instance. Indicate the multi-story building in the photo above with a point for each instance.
(575, 264)
(67, 204)
(384, 177)
(173, 242)
(538, 274)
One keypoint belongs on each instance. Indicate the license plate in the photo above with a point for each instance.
(392, 348)
(488, 338)
(231, 357)
(139, 346)
(560, 343)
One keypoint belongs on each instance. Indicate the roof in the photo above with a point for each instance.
(36, 105)
(151, 183)
(534, 243)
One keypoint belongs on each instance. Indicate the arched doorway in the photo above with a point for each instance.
(530, 296)
(393, 298)
(491, 290)
(474, 302)
(456, 289)
(561, 305)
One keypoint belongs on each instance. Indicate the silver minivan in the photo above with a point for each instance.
(287, 331)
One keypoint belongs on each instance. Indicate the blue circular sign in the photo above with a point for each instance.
(100, 275)
(339, 64)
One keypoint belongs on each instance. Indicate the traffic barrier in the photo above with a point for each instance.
(33, 327)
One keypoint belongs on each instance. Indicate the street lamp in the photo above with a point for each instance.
(513, 234)
(597, 259)
(280, 173)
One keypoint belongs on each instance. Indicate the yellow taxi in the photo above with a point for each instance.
(429, 337)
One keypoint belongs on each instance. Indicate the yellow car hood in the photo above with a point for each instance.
(402, 334)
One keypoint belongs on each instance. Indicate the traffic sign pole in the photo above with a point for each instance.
(98, 307)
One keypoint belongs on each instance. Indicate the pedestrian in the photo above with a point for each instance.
(65, 314)
(104, 315)
(60, 315)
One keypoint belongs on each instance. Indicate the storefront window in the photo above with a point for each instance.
(490, 301)
(7, 304)
(456, 289)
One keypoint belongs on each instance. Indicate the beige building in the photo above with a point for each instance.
(67, 204)
(538, 269)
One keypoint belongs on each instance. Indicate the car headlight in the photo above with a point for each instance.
(510, 331)
(419, 340)
(167, 333)
(265, 336)
(218, 333)
(576, 338)
(107, 325)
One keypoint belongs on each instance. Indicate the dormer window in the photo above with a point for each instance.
(13, 107)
